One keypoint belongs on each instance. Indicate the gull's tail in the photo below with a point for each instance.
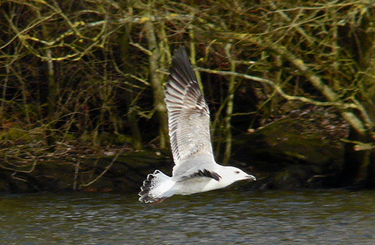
(155, 188)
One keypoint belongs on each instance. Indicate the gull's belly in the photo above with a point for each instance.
(197, 185)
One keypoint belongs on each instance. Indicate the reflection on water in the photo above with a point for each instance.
(219, 217)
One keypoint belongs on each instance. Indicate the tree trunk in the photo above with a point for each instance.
(359, 165)
(132, 115)
(51, 101)
(228, 116)
(52, 92)
(156, 80)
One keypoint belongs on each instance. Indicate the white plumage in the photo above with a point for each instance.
(195, 169)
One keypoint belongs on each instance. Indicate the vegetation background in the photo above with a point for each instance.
(83, 81)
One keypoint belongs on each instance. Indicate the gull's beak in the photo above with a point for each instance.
(251, 178)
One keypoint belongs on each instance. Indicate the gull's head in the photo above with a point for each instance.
(233, 174)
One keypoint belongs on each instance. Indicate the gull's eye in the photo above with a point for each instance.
(237, 172)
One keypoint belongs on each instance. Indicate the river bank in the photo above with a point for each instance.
(301, 150)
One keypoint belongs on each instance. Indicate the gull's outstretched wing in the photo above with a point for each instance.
(188, 117)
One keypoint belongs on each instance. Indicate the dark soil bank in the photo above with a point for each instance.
(288, 153)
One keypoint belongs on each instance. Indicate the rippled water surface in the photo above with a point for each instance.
(219, 217)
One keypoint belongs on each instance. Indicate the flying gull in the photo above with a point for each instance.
(195, 168)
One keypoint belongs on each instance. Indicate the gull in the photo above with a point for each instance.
(195, 168)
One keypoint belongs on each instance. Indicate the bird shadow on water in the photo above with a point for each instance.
(206, 205)
(197, 218)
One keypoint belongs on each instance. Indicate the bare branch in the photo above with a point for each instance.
(280, 91)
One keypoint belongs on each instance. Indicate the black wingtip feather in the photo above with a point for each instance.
(146, 187)
(181, 66)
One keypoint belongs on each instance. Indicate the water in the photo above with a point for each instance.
(219, 217)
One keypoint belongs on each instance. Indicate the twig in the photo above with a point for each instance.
(100, 175)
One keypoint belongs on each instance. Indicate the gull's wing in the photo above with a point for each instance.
(188, 117)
